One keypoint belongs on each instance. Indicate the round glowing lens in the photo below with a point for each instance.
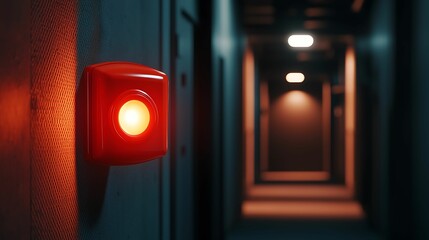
(134, 117)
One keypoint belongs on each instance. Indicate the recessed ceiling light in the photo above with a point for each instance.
(303, 40)
(295, 77)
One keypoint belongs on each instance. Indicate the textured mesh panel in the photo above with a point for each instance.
(53, 39)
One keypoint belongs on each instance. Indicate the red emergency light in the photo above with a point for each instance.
(125, 111)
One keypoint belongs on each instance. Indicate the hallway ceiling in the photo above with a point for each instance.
(332, 23)
(283, 16)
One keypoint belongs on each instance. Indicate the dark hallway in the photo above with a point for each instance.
(214, 120)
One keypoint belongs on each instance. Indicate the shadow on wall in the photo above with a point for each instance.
(92, 178)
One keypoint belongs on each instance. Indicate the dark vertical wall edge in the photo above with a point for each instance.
(420, 107)
(203, 118)
(160, 161)
(400, 212)
(173, 54)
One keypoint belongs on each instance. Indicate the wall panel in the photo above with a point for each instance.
(119, 202)
(227, 49)
(421, 118)
(15, 119)
(183, 104)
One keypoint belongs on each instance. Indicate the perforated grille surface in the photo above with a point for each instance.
(53, 67)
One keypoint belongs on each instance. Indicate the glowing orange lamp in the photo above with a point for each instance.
(125, 111)
(134, 117)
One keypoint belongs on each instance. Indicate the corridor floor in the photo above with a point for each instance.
(299, 211)
(302, 229)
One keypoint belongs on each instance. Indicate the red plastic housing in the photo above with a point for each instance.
(104, 88)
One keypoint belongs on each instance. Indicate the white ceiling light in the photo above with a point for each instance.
(295, 77)
(303, 40)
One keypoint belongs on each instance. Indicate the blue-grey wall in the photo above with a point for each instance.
(395, 72)
(227, 52)
(382, 47)
(183, 188)
(375, 85)
(420, 48)
(136, 198)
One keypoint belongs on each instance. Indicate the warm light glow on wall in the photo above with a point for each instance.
(134, 117)
(350, 116)
(303, 41)
(296, 99)
(295, 77)
(248, 88)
